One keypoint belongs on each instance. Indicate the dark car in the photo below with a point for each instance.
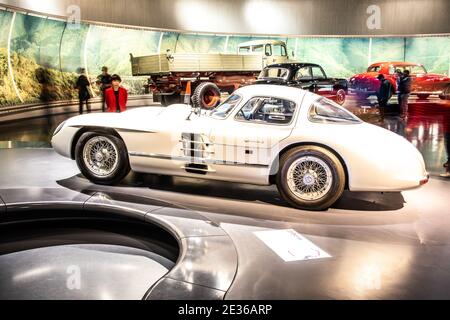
(307, 76)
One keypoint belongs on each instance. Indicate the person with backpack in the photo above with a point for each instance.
(82, 85)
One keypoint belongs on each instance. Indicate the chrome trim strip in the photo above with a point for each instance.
(117, 129)
(194, 160)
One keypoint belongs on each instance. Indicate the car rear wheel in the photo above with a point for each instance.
(310, 178)
(206, 96)
(102, 158)
(341, 96)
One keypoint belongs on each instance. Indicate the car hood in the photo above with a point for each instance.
(141, 119)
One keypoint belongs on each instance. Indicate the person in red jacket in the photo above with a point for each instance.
(117, 96)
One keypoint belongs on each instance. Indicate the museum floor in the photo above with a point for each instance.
(382, 246)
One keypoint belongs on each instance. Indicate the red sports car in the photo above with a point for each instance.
(424, 83)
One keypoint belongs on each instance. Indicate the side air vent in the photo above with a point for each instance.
(196, 146)
(197, 168)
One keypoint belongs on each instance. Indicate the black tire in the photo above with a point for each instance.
(121, 169)
(423, 96)
(336, 182)
(206, 96)
(167, 100)
(341, 96)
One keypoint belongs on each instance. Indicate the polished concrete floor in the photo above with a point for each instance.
(382, 246)
(425, 126)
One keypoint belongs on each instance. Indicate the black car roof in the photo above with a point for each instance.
(293, 65)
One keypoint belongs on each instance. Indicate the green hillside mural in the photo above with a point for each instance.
(7, 93)
(46, 54)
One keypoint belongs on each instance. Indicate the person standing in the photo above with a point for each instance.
(398, 78)
(82, 85)
(384, 94)
(104, 81)
(447, 144)
(117, 96)
(404, 90)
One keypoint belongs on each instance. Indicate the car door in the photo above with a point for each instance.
(252, 136)
(303, 79)
(322, 85)
(279, 53)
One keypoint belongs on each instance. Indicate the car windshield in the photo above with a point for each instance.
(324, 110)
(280, 73)
(223, 110)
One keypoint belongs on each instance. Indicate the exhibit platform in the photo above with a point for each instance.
(214, 240)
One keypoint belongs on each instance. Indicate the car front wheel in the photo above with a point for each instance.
(310, 178)
(102, 158)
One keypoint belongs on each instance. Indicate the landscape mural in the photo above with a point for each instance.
(46, 55)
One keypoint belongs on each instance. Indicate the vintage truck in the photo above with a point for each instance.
(178, 77)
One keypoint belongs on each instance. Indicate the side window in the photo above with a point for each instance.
(267, 110)
(418, 70)
(318, 73)
(258, 48)
(244, 49)
(303, 74)
(327, 111)
(279, 50)
(268, 50)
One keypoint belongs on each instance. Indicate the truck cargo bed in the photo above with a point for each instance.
(158, 64)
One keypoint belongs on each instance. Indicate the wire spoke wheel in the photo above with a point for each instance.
(100, 156)
(309, 178)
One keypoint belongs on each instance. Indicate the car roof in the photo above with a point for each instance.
(265, 90)
(292, 65)
(259, 42)
(397, 63)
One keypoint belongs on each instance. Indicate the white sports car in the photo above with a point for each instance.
(310, 147)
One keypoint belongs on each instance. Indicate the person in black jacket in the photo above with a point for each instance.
(104, 81)
(384, 94)
(446, 124)
(82, 85)
(404, 90)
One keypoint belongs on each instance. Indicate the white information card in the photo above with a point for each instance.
(290, 245)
